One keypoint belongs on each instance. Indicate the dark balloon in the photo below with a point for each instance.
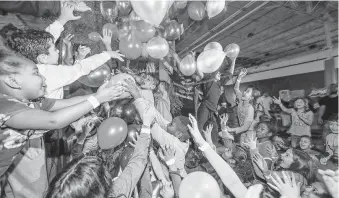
(143, 30)
(132, 131)
(124, 7)
(128, 113)
(130, 46)
(111, 133)
(172, 30)
(96, 77)
(196, 10)
(125, 156)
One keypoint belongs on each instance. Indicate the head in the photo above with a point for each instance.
(333, 122)
(300, 103)
(36, 45)
(146, 81)
(333, 89)
(316, 190)
(297, 161)
(83, 177)
(305, 143)
(250, 94)
(264, 130)
(20, 77)
(178, 128)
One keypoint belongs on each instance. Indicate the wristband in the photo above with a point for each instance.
(204, 146)
(170, 162)
(94, 101)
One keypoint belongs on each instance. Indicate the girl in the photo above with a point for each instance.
(301, 118)
(25, 115)
(245, 107)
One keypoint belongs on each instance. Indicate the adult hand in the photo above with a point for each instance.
(194, 130)
(251, 141)
(288, 187)
(108, 93)
(66, 13)
(106, 37)
(132, 88)
(116, 55)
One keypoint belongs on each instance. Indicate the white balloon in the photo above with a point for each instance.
(214, 7)
(209, 61)
(213, 45)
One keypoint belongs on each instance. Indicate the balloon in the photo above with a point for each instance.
(188, 65)
(209, 61)
(180, 4)
(232, 50)
(196, 10)
(96, 77)
(124, 29)
(128, 113)
(133, 16)
(111, 133)
(124, 7)
(132, 131)
(144, 53)
(152, 11)
(213, 45)
(120, 78)
(199, 184)
(172, 30)
(130, 46)
(157, 47)
(125, 156)
(113, 28)
(94, 36)
(143, 30)
(214, 7)
(109, 10)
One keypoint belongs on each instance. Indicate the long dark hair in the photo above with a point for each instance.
(83, 177)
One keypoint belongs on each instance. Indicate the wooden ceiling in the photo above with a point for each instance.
(265, 31)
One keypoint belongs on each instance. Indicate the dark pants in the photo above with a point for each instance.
(204, 115)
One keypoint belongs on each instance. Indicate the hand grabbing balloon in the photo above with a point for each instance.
(132, 88)
(108, 93)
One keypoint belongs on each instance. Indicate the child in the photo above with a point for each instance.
(306, 146)
(148, 84)
(245, 108)
(332, 142)
(301, 118)
(39, 47)
(25, 115)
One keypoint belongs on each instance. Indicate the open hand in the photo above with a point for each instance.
(66, 13)
(194, 130)
(208, 132)
(251, 141)
(82, 52)
(106, 37)
(331, 180)
(116, 55)
(108, 93)
(259, 161)
(277, 100)
(242, 73)
(288, 187)
(169, 152)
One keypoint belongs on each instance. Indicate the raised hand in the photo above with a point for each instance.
(106, 37)
(242, 73)
(277, 100)
(208, 132)
(82, 52)
(259, 161)
(116, 55)
(66, 13)
(169, 152)
(331, 180)
(67, 39)
(194, 130)
(251, 141)
(288, 187)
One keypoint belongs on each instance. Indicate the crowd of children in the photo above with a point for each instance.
(250, 159)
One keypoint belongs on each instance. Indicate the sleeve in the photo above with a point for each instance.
(125, 183)
(55, 29)
(61, 75)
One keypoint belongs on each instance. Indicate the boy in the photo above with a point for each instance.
(39, 46)
(306, 146)
(332, 141)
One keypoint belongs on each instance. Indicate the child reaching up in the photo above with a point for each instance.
(25, 115)
(245, 107)
(302, 119)
(39, 46)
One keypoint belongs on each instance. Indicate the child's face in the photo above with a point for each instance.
(146, 82)
(333, 126)
(53, 56)
(32, 83)
(299, 104)
(262, 131)
(286, 159)
(305, 143)
(247, 94)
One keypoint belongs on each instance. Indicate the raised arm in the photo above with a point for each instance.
(39, 119)
(225, 172)
(237, 91)
(283, 108)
